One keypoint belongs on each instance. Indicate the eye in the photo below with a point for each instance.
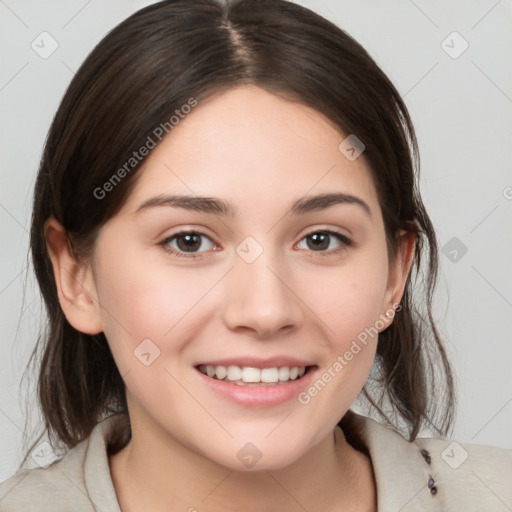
(320, 241)
(186, 244)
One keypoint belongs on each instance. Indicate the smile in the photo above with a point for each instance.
(249, 386)
(247, 375)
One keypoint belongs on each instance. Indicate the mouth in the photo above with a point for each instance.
(250, 376)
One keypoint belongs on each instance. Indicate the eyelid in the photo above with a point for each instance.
(326, 228)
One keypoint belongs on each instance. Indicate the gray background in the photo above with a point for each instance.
(462, 110)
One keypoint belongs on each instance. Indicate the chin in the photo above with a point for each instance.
(251, 457)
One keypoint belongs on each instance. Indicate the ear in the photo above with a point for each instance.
(74, 281)
(399, 269)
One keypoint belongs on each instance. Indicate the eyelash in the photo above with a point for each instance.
(345, 243)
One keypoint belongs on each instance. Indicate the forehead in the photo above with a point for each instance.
(252, 147)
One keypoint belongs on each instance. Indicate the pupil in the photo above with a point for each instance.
(320, 243)
(196, 242)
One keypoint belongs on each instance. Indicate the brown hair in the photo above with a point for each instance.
(133, 81)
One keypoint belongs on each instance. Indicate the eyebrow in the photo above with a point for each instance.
(216, 206)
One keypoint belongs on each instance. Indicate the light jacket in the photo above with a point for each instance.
(426, 475)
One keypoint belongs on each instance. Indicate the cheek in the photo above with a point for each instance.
(141, 301)
(349, 310)
(349, 299)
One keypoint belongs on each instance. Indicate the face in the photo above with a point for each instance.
(262, 287)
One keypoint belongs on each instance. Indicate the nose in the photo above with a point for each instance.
(261, 299)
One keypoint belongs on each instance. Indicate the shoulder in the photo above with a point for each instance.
(79, 481)
(48, 488)
(475, 474)
(431, 474)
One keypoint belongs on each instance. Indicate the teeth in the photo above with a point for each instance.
(284, 373)
(221, 372)
(233, 373)
(269, 375)
(253, 375)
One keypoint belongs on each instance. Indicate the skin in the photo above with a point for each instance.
(260, 152)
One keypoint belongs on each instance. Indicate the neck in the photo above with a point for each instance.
(151, 473)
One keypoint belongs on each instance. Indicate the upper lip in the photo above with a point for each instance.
(255, 362)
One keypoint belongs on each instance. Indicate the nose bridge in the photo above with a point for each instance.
(260, 297)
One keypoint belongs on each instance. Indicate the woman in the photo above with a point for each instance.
(226, 231)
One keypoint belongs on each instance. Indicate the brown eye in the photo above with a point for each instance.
(189, 242)
(321, 242)
(186, 243)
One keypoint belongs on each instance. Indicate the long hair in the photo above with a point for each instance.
(134, 80)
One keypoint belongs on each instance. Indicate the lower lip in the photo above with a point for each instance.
(259, 396)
